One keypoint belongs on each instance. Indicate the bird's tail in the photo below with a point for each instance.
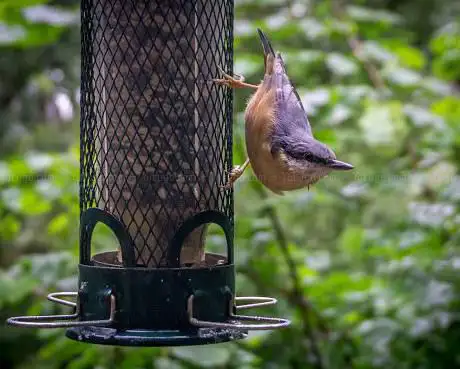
(269, 53)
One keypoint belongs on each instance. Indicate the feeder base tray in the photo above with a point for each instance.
(108, 336)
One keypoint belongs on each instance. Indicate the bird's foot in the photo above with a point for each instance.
(234, 174)
(233, 82)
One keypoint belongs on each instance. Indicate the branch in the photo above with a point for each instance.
(296, 294)
(374, 75)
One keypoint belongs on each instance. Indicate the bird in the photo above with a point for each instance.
(281, 148)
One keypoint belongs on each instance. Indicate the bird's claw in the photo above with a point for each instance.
(234, 174)
(228, 80)
(240, 78)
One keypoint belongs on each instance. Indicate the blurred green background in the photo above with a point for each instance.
(365, 263)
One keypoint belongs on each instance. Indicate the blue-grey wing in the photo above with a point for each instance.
(291, 117)
(302, 149)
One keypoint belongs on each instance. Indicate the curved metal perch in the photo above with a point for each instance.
(266, 322)
(46, 321)
(254, 302)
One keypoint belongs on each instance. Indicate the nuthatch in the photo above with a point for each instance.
(280, 145)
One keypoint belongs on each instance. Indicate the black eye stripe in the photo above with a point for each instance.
(299, 153)
(307, 156)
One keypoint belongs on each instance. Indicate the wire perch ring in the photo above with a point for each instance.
(267, 323)
(45, 321)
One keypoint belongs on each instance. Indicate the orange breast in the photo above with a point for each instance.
(259, 118)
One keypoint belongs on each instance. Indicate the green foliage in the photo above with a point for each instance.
(445, 46)
(375, 250)
(28, 23)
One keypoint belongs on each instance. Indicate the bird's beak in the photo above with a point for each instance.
(340, 165)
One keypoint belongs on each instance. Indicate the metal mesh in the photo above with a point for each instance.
(155, 130)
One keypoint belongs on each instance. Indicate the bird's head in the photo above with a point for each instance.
(318, 153)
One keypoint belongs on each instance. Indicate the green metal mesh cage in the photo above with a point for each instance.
(155, 130)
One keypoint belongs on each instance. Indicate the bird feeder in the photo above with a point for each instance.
(156, 144)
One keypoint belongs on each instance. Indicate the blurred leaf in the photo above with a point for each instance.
(409, 57)
(431, 214)
(354, 94)
(38, 161)
(246, 65)
(9, 227)
(447, 66)
(45, 267)
(11, 198)
(437, 86)
(402, 76)
(341, 65)
(453, 189)
(320, 260)
(315, 99)
(365, 14)
(354, 189)
(50, 15)
(421, 327)
(448, 107)
(19, 170)
(13, 291)
(11, 33)
(384, 125)
(441, 175)
(420, 116)
(327, 136)
(7, 5)
(351, 240)
(206, 356)
(313, 28)
(447, 38)
(166, 363)
(374, 51)
(438, 293)
(58, 224)
(85, 359)
(4, 172)
(33, 204)
(339, 114)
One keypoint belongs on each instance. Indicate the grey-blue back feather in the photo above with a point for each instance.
(303, 149)
(291, 117)
(292, 131)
